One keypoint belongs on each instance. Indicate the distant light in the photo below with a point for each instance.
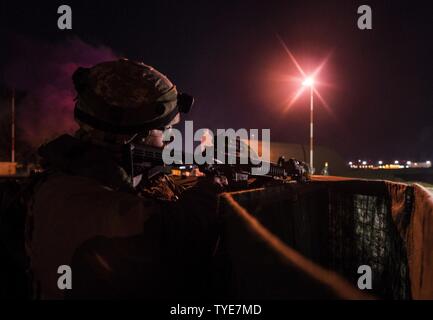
(350, 163)
(396, 162)
(409, 163)
(364, 162)
(308, 82)
(380, 162)
(428, 162)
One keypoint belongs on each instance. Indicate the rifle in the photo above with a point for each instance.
(143, 159)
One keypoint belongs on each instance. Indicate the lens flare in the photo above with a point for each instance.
(306, 80)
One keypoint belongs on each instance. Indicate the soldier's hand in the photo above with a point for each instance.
(221, 181)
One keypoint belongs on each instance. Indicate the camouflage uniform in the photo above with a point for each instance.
(154, 242)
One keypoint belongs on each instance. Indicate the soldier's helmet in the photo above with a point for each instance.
(126, 97)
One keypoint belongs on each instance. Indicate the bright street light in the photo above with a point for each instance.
(308, 82)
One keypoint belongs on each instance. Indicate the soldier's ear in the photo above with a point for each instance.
(80, 79)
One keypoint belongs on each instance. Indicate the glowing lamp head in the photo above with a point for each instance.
(308, 82)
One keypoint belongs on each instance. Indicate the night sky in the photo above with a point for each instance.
(377, 83)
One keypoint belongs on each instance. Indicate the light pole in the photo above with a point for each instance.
(13, 127)
(309, 82)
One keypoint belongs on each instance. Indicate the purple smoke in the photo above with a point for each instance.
(43, 72)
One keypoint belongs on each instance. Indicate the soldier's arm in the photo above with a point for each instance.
(170, 258)
(190, 226)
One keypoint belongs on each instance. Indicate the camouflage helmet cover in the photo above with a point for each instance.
(126, 97)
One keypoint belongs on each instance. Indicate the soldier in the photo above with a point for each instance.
(122, 236)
